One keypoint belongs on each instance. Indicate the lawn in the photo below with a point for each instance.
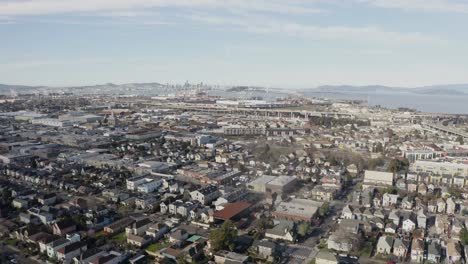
(157, 246)
(10, 241)
(366, 250)
(120, 238)
(100, 234)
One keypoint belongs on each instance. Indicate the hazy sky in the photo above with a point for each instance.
(280, 43)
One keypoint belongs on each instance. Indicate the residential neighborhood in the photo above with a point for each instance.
(98, 179)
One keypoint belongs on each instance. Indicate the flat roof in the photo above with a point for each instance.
(299, 207)
(282, 180)
(232, 209)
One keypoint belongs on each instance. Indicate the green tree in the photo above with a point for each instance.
(303, 229)
(186, 196)
(223, 237)
(460, 140)
(464, 236)
(379, 147)
(323, 210)
(397, 165)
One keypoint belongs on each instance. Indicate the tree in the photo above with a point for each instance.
(323, 210)
(186, 196)
(266, 150)
(397, 165)
(223, 237)
(303, 229)
(460, 140)
(374, 163)
(464, 212)
(464, 236)
(379, 147)
(33, 163)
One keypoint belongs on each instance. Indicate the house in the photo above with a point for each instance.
(431, 206)
(347, 212)
(391, 228)
(63, 227)
(146, 202)
(28, 219)
(157, 230)
(68, 252)
(422, 189)
(112, 257)
(47, 199)
(457, 227)
(421, 219)
(324, 257)
(441, 205)
(227, 257)
(19, 203)
(379, 214)
(321, 193)
(351, 226)
(411, 187)
(52, 247)
(450, 206)
(341, 241)
(88, 255)
(394, 216)
(378, 223)
(138, 259)
(139, 227)
(407, 203)
(118, 225)
(389, 199)
(417, 250)
(178, 235)
(138, 240)
(409, 223)
(434, 252)
(441, 224)
(401, 184)
(453, 252)
(265, 249)
(206, 194)
(384, 245)
(283, 231)
(400, 248)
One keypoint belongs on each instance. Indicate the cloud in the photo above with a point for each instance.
(369, 34)
(43, 63)
(446, 6)
(43, 7)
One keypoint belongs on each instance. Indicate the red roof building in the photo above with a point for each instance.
(232, 210)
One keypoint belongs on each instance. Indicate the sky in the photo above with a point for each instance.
(272, 43)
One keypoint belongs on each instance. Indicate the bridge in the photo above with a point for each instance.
(267, 112)
(446, 130)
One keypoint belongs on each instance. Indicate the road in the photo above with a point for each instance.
(336, 207)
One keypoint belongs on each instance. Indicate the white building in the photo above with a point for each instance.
(54, 122)
(377, 179)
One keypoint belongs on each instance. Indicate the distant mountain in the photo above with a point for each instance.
(357, 89)
(23, 89)
(453, 89)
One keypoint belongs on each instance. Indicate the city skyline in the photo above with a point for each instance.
(297, 44)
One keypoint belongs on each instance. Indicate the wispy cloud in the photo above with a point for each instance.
(41, 7)
(370, 34)
(5, 20)
(448, 6)
(41, 63)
